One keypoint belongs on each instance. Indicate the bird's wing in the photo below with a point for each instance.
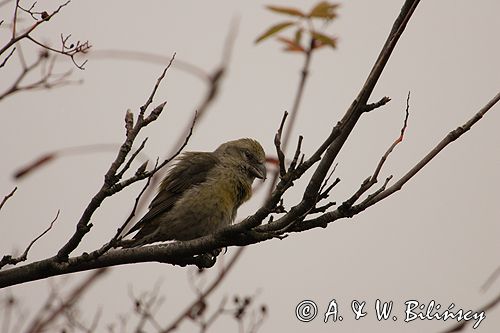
(191, 169)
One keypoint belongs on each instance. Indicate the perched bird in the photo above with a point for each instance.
(202, 192)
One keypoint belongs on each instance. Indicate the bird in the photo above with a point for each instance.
(201, 193)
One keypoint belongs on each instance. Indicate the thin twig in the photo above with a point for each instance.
(7, 197)
(70, 51)
(370, 181)
(155, 88)
(131, 159)
(7, 57)
(395, 143)
(277, 143)
(348, 211)
(9, 260)
(452, 136)
(26, 33)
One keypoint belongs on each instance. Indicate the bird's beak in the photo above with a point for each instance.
(259, 171)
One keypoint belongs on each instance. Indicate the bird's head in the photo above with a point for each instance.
(245, 153)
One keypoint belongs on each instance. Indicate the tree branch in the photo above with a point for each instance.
(346, 211)
(111, 185)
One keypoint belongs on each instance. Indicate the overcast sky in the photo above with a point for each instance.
(437, 239)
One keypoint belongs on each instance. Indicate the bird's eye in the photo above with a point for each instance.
(247, 154)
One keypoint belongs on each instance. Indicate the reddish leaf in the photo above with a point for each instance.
(290, 45)
(273, 30)
(286, 10)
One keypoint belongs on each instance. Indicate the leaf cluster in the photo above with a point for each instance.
(303, 23)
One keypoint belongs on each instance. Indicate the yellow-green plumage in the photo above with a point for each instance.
(202, 192)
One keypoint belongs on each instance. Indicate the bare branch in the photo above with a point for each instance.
(155, 88)
(370, 181)
(7, 57)
(452, 136)
(111, 185)
(70, 50)
(9, 260)
(346, 210)
(7, 197)
(277, 143)
(331, 145)
(120, 231)
(394, 144)
(357, 108)
(26, 33)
